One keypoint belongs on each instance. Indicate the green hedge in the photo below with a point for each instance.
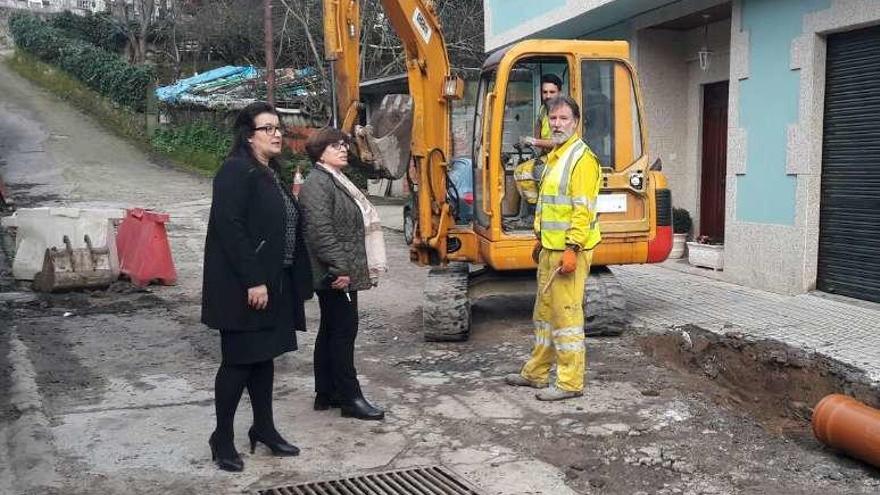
(203, 145)
(99, 69)
(199, 145)
(97, 29)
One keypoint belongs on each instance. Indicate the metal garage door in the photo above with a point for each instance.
(849, 231)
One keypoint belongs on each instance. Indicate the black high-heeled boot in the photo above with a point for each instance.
(359, 408)
(279, 446)
(324, 402)
(225, 456)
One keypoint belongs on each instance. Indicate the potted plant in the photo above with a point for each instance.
(681, 227)
(706, 252)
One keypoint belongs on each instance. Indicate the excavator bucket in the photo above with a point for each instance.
(384, 145)
(70, 269)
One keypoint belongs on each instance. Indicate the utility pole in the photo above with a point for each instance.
(270, 57)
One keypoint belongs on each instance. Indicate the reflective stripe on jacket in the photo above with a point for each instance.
(566, 212)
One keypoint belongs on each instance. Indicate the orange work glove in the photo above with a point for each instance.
(569, 261)
(536, 251)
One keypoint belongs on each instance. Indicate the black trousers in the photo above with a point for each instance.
(335, 374)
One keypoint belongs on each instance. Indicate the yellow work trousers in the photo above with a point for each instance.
(559, 323)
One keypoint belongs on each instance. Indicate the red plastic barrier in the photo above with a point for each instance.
(144, 253)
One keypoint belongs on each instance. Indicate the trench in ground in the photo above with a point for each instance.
(777, 384)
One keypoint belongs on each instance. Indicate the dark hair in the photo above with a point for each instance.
(318, 142)
(552, 79)
(243, 129)
(564, 100)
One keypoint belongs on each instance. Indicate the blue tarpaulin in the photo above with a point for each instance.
(228, 74)
(234, 87)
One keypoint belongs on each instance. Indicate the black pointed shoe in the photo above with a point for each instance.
(359, 408)
(225, 456)
(324, 402)
(278, 445)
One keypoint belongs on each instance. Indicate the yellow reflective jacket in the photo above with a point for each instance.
(544, 131)
(527, 174)
(569, 188)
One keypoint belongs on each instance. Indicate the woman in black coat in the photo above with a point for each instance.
(345, 242)
(256, 277)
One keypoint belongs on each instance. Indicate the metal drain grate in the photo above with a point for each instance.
(433, 480)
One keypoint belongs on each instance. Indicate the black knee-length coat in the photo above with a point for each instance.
(244, 248)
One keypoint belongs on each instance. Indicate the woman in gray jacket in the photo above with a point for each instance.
(344, 239)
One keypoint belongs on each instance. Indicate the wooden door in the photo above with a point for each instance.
(714, 167)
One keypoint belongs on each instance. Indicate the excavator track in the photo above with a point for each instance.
(446, 312)
(604, 304)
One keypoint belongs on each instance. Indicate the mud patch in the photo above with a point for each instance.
(61, 372)
(44, 324)
(85, 303)
(26, 196)
(771, 381)
(7, 252)
(8, 413)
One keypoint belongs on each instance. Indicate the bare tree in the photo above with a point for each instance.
(382, 52)
(167, 33)
(307, 15)
(231, 32)
(134, 19)
(146, 13)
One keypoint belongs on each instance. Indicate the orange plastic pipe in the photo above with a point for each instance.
(844, 423)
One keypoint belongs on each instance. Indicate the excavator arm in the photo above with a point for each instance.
(388, 146)
(342, 48)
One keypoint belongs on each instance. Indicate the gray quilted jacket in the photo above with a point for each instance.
(334, 231)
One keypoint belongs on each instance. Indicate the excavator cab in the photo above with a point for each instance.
(599, 77)
(523, 164)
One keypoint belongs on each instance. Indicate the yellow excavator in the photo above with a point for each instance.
(488, 253)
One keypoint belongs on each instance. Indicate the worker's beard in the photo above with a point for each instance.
(560, 137)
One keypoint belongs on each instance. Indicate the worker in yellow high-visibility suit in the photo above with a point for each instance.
(525, 173)
(567, 228)
(528, 173)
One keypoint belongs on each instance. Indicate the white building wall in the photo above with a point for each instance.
(672, 87)
(662, 69)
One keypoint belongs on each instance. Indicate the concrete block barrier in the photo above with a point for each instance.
(40, 228)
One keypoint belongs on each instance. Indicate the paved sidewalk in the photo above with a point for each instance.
(661, 296)
(391, 215)
(846, 331)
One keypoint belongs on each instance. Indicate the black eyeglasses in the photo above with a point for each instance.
(341, 145)
(270, 129)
